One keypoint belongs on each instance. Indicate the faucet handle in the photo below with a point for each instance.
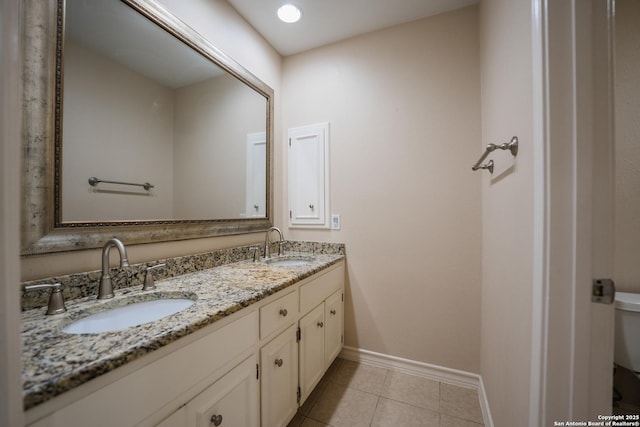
(56, 299)
(256, 252)
(148, 280)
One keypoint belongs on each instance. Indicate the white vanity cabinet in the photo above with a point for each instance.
(321, 327)
(160, 383)
(252, 368)
(294, 361)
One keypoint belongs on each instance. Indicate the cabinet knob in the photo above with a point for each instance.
(216, 419)
(279, 363)
(321, 324)
(283, 312)
(311, 207)
(333, 312)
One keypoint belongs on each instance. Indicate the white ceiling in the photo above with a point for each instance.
(328, 21)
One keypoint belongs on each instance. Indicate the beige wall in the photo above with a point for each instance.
(507, 241)
(212, 121)
(110, 133)
(219, 23)
(403, 106)
(627, 159)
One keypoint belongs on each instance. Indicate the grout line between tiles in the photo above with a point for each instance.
(380, 395)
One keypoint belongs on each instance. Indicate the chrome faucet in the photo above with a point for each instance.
(56, 299)
(105, 290)
(267, 247)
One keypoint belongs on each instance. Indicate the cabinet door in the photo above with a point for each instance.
(309, 176)
(231, 401)
(334, 315)
(311, 346)
(177, 419)
(279, 387)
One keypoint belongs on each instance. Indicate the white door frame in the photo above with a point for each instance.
(255, 141)
(572, 126)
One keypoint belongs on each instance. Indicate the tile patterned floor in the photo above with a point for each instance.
(353, 394)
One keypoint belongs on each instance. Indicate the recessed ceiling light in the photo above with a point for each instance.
(289, 13)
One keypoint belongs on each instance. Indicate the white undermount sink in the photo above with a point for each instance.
(133, 314)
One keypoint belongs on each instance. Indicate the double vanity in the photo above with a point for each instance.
(251, 342)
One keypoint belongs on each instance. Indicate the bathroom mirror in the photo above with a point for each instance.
(136, 126)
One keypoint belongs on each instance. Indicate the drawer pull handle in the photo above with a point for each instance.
(333, 312)
(321, 324)
(216, 419)
(279, 363)
(283, 312)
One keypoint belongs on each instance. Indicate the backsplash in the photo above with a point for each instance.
(80, 285)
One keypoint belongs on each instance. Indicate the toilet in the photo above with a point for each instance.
(627, 331)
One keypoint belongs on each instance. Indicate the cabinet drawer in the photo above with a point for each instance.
(278, 313)
(314, 292)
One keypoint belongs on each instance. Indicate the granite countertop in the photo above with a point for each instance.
(55, 362)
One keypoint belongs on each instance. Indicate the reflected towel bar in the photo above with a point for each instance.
(93, 181)
(511, 146)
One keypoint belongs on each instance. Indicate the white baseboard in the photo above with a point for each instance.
(484, 405)
(425, 370)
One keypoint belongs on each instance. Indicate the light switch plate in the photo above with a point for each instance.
(335, 222)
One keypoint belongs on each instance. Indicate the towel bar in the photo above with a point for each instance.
(93, 181)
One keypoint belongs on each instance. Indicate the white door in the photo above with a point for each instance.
(572, 351)
(601, 339)
(256, 175)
